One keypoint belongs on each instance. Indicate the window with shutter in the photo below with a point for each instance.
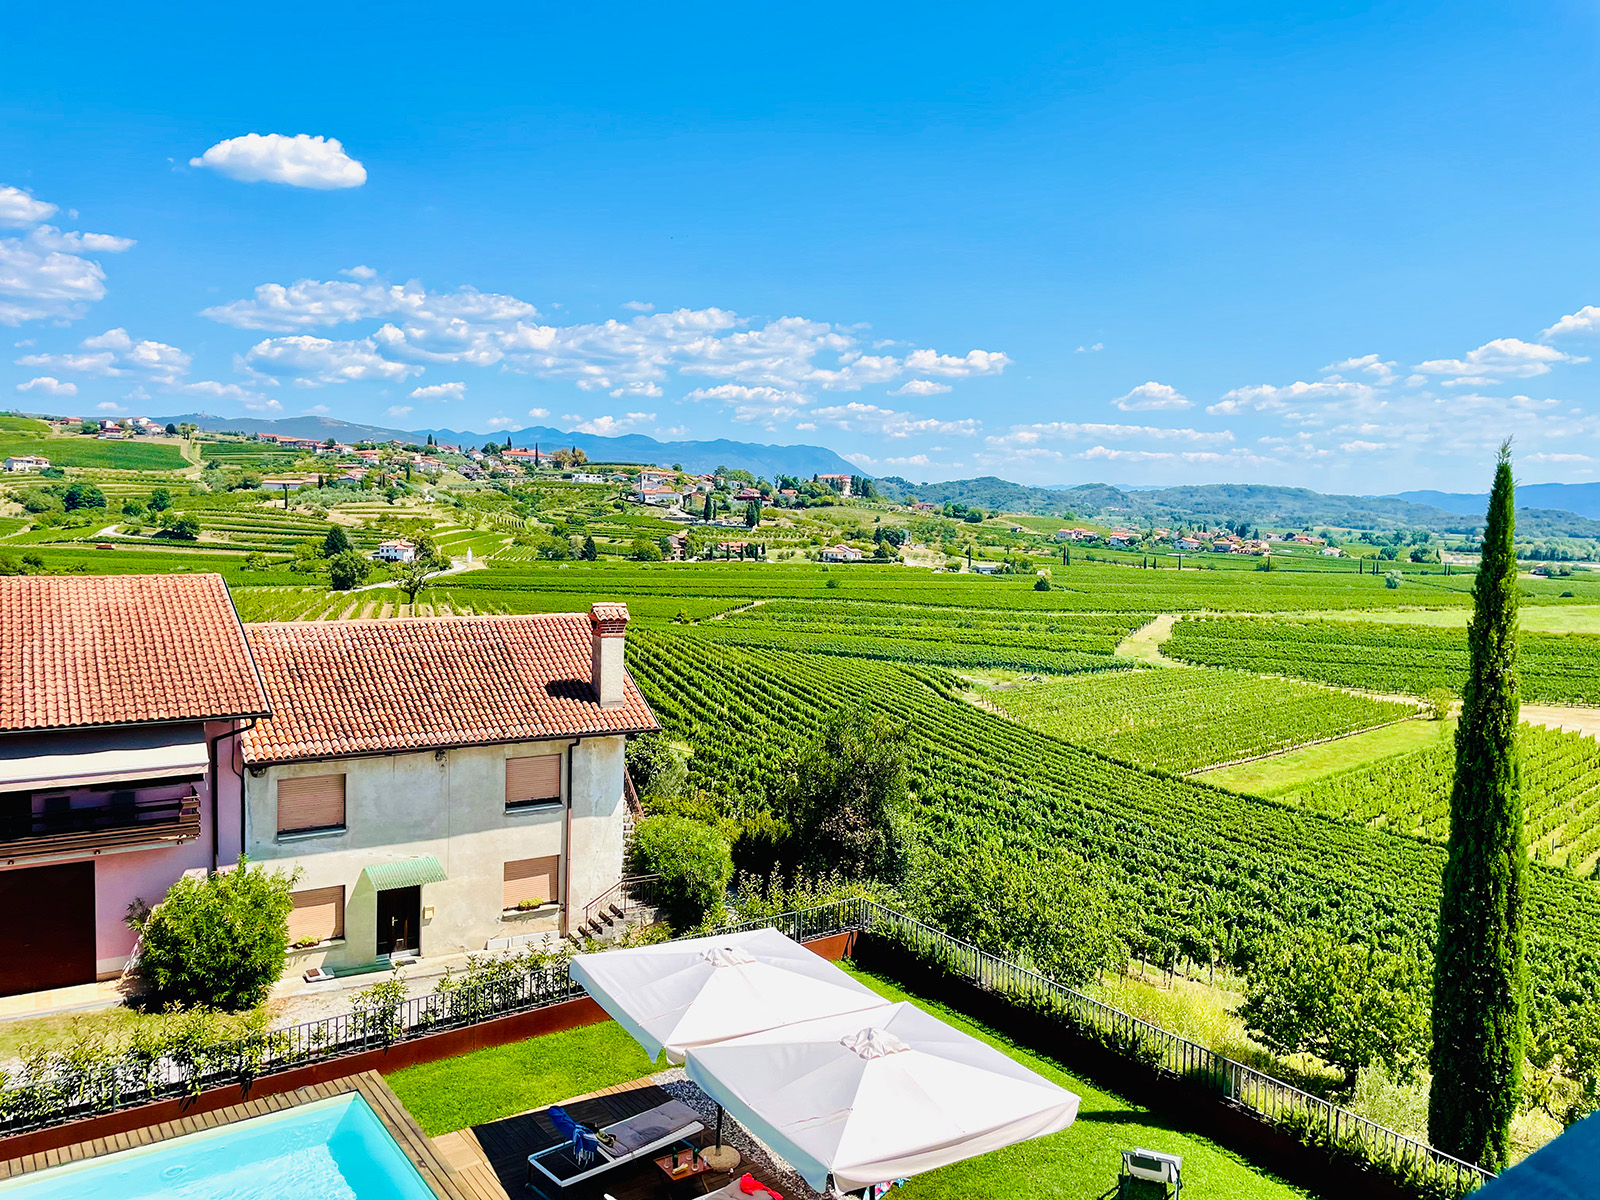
(531, 881)
(310, 802)
(317, 916)
(533, 780)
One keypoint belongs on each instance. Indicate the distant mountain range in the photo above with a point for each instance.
(1580, 498)
(1259, 504)
(758, 459)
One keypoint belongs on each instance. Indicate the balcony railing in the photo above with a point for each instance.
(121, 820)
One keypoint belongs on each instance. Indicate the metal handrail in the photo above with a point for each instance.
(622, 889)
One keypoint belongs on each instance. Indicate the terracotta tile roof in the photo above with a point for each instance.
(121, 649)
(370, 687)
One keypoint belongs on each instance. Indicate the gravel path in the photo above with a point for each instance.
(757, 1159)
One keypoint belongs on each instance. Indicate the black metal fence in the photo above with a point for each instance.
(1312, 1118)
(49, 1089)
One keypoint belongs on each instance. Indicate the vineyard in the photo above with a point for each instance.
(1410, 793)
(1207, 874)
(1554, 668)
(950, 637)
(1185, 719)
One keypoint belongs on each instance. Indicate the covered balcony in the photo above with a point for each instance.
(68, 794)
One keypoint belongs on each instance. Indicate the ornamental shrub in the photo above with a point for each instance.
(215, 942)
(695, 865)
(335, 541)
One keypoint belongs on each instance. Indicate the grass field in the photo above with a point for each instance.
(139, 455)
(1294, 768)
(1080, 1163)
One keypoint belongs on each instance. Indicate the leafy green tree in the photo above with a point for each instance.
(646, 550)
(160, 500)
(335, 541)
(659, 769)
(1438, 703)
(752, 513)
(590, 550)
(216, 942)
(1480, 968)
(845, 797)
(1393, 579)
(255, 561)
(184, 527)
(348, 569)
(694, 861)
(1041, 584)
(1312, 992)
(711, 507)
(1057, 914)
(83, 495)
(413, 577)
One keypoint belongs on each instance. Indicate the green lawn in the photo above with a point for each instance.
(1080, 1163)
(1536, 618)
(488, 1084)
(1285, 772)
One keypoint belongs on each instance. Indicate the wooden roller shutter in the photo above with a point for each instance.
(531, 879)
(318, 914)
(311, 802)
(534, 780)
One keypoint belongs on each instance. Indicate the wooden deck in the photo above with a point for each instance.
(432, 1166)
(490, 1161)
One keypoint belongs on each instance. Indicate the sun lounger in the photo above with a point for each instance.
(636, 1137)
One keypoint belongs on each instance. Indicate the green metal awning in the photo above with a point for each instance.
(405, 872)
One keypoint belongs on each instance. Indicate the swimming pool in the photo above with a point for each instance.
(333, 1149)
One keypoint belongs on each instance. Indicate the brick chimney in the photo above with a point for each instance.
(608, 631)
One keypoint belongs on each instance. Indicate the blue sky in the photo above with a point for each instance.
(1345, 246)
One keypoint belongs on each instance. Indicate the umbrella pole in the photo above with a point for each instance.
(720, 1157)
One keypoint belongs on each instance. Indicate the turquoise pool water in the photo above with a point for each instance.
(327, 1150)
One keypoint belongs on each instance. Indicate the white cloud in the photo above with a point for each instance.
(397, 410)
(1031, 435)
(768, 404)
(1267, 397)
(975, 362)
(608, 426)
(484, 329)
(920, 387)
(114, 353)
(1557, 458)
(1361, 447)
(672, 432)
(1509, 358)
(1366, 364)
(316, 410)
(640, 306)
(359, 272)
(886, 422)
(44, 276)
(502, 423)
(1152, 397)
(1091, 349)
(48, 385)
(299, 161)
(1586, 320)
(440, 391)
(317, 361)
(539, 412)
(17, 207)
(635, 389)
(110, 406)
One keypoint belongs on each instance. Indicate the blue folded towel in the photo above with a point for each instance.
(584, 1142)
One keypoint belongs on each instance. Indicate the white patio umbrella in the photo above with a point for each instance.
(878, 1095)
(680, 994)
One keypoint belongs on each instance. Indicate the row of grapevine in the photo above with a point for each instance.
(1187, 718)
(1554, 667)
(1207, 873)
(1410, 793)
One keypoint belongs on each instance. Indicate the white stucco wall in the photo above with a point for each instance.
(401, 805)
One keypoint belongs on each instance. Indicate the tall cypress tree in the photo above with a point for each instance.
(1479, 982)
